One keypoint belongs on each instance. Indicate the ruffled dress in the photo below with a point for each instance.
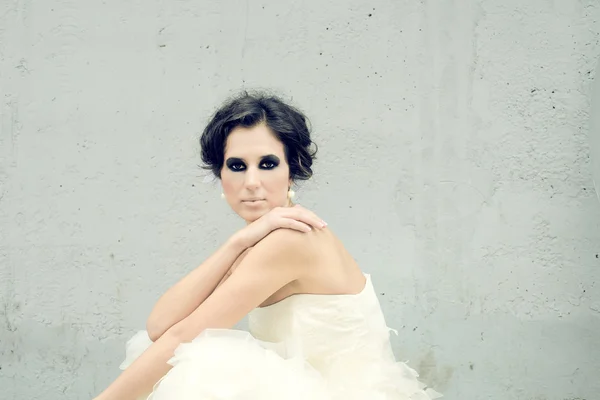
(307, 346)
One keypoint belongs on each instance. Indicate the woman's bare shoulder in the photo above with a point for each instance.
(287, 242)
(300, 248)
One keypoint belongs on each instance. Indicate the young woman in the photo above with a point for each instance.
(316, 326)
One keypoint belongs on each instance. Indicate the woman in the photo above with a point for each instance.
(317, 327)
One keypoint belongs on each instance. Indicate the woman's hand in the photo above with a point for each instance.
(297, 218)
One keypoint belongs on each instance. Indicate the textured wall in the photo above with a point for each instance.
(454, 164)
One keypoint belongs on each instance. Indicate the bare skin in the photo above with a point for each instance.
(332, 270)
(284, 250)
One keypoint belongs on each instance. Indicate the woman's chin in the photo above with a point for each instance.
(252, 211)
(251, 216)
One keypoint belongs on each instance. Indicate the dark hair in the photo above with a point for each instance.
(288, 124)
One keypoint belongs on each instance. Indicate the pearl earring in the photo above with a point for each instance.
(222, 195)
(291, 194)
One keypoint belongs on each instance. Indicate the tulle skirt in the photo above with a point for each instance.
(228, 364)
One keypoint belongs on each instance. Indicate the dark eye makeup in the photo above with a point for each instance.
(266, 162)
(269, 162)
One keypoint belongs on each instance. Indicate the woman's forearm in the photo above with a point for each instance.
(186, 295)
(141, 376)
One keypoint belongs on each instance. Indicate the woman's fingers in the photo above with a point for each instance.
(295, 225)
(308, 217)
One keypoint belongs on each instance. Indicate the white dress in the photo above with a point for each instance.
(307, 346)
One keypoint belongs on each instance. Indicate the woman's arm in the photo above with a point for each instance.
(187, 294)
(273, 263)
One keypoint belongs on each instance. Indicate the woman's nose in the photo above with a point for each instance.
(252, 178)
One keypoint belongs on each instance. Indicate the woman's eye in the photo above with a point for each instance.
(236, 166)
(268, 165)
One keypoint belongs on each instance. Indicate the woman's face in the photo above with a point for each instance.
(255, 174)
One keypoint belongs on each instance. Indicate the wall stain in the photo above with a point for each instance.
(435, 376)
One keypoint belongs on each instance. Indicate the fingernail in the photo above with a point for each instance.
(324, 223)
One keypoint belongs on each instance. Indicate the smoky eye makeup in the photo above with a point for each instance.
(266, 162)
(270, 160)
(235, 164)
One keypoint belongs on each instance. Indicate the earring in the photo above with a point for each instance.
(291, 194)
(222, 195)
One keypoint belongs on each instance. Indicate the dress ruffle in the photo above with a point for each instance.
(228, 364)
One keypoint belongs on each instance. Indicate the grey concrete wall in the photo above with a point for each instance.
(454, 164)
